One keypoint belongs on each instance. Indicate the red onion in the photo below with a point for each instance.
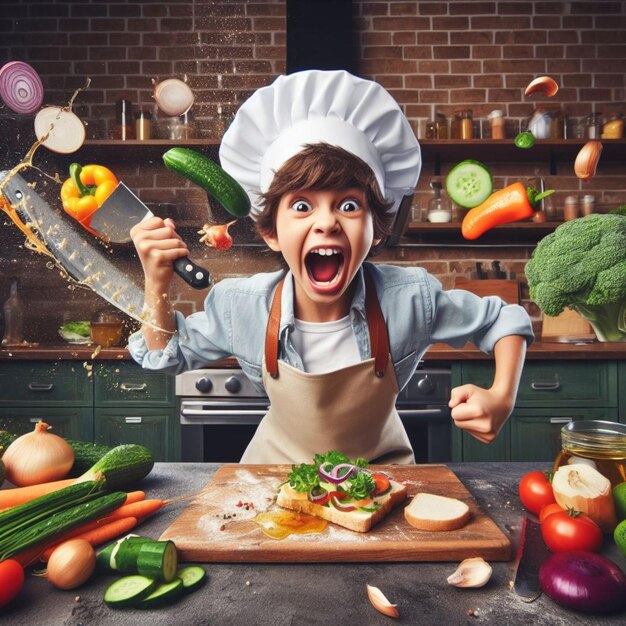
(317, 494)
(583, 581)
(342, 507)
(334, 475)
(20, 87)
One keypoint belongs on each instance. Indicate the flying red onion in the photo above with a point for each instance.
(20, 87)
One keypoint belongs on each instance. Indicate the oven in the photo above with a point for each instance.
(220, 410)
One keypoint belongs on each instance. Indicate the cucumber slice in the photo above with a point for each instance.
(158, 559)
(469, 183)
(163, 594)
(128, 590)
(193, 576)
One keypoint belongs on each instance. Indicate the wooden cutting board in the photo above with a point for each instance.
(213, 528)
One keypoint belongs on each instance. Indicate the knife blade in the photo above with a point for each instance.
(531, 553)
(120, 212)
(79, 259)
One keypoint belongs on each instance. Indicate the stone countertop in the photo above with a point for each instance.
(438, 352)
(289, 594)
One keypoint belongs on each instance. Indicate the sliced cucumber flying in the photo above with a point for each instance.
(469, 183)
(211, 177)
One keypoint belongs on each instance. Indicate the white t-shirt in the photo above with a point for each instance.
(326, 346)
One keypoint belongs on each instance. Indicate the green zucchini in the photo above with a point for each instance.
(122, 466)
(163, 594)
(128, 590)
(140, 555)
(211, 177)
(86, 454)
(193, 576)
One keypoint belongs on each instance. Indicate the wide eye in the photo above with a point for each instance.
(301, 206)
(349, 206)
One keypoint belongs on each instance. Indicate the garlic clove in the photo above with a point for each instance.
(544, 83)
(587, 160)
(474, 572)
(380, 602)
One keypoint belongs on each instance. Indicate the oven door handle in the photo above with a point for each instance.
(215, 412)
(422, 414)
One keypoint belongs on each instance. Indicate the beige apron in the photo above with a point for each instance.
(351, 409)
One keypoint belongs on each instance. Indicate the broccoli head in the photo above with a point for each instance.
(582, 265)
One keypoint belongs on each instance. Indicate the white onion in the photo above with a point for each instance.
(20, 87)
(66, 133)
(174, 97)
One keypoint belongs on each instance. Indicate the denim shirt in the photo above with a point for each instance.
(418, 313)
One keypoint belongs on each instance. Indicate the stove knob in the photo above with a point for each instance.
(425, 385)
(233, 384)
(204, 384)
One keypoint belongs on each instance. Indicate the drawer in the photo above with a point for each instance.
(123, 384)
(73, 423)
(39, 383)
(556, 383)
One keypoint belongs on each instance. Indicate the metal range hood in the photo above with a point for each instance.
(321, 35)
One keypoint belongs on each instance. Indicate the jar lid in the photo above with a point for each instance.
(496, 113)
(589, 198)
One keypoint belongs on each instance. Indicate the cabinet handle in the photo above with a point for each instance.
(133, 386)
(133, 420)
(40, 386)
(561, 420)
(545, 386)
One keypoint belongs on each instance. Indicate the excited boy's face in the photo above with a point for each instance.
(324, 236)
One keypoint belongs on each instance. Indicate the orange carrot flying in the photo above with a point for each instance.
(97, 536)
(20, 495)
(511, 204)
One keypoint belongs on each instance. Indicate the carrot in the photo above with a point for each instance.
(134, 496)
(511, 204)
(97, 536)
(20, 495)
(136, 509)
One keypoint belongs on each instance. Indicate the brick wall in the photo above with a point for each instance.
(432, 56)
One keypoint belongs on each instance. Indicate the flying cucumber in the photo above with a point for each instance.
(469, 183)
(211, 177)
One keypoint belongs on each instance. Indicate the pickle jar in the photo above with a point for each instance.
(598, 443)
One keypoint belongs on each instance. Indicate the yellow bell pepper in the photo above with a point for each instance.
(86, 190)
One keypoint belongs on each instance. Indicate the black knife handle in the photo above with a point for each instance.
(194, 275)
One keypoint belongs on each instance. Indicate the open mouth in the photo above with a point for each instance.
(324, 265)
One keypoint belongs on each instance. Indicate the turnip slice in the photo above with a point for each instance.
(66, 133)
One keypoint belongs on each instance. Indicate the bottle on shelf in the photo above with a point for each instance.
(13, 311)
(497, 124)
(123, 128)
(438, 206)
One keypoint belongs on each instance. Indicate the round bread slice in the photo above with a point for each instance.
(428, 511)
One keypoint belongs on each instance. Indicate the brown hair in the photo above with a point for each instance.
(322, 166)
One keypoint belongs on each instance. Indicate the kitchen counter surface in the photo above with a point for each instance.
(287, 594)
(438, 352)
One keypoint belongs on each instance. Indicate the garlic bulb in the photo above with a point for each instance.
(474, 572)
(38, 457)
(582, 488)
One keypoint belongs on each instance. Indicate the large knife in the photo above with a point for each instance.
(80, 260)
(531, 553)
(120, 212)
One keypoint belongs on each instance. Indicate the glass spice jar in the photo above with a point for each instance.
(571, 209)
(598, 443)
(463, 124)
(496, 123)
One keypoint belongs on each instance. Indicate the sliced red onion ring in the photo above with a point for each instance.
(336, 475)
(342, 507)
(20, 87)
(317, 494)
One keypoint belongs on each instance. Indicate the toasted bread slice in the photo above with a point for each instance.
(430, 512)
(358, 520)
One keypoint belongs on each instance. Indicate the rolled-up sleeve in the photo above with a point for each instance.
(199, 339)
(459, 316)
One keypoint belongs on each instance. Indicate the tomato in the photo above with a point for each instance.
(11, 580)
(535, 491)
(566, 531)
(382, 484)
(548, 510)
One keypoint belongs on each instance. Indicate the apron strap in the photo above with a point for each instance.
(379, 341)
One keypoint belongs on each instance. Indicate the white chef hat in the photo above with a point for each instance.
(316, 106)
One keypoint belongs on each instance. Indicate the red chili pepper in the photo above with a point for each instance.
(511, 204)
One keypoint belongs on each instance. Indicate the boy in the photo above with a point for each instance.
(326, 158)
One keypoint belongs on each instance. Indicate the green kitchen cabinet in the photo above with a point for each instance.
(71, 422)
(622, 391)
(136, 406)
(551, 393)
